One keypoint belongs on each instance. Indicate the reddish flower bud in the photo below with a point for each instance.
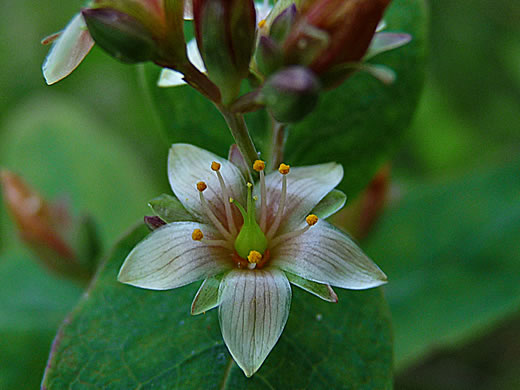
(350, 25)
(43, 227)
(120, 35)
(225, 32)
(139, 30)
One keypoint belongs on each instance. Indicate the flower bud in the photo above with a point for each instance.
(291, 94)
(350, 24)
(225, 32)
(46, 229)
(120, 35)
(283, 23)
(269, 56)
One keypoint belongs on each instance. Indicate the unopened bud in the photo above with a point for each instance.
(291, 94)
(49, 230)
(283, 23)
(351, 25)
(225, 32)
(120, 35)
(269, 56)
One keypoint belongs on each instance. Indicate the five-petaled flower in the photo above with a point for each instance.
(248, 242)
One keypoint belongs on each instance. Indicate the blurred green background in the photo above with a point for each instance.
(449, 239)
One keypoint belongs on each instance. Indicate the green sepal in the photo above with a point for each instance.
(207, 296)
(323, 291)
(170, 209)
(330, 204)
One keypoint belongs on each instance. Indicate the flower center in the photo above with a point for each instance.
(252, 242)
(251, 238)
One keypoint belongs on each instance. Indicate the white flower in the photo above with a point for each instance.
(248, 242)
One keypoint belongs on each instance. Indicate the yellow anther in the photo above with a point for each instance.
(311, 220)
(197, 235)
(231, 200)
(284, 169)
(262, 23)
(254, 257)
(215, 166)
(201, 186)
(249, 185)
(259, 165)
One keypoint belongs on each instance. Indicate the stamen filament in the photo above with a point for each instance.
(263, 201)
(287, 236)
(227, 206)
(222, 243)
(311, 220)
(279, 212)
(213, 218)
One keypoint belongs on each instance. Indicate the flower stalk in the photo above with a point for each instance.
(238, 127)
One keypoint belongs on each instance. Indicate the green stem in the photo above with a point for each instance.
(237, 126)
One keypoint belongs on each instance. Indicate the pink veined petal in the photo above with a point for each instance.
(306, 186)
(67, 51)
(325, 254)
(169, 258)
(253, 311)
(187, 165)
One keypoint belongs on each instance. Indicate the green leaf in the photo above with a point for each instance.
(32, 305)
(126, 337)
(170, 209)
(452, 255)
(360, 123)
(65, 154)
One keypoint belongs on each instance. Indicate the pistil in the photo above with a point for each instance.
(251, 237)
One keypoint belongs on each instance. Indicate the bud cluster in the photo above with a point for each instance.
(288, 56)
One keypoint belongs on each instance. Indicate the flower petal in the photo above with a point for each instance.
(169, 258)
(67, 51)
(172, 78)
(323, 291)
(253, 312)
(207, 296)
(306, 187)
(187, 165)
(383, 42)
(330, 204)
(325, 254)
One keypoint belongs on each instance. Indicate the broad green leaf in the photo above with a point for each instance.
(360, 123)
(32, 305)
(125, 337)
(63, 153)
(452, 255)
(169, 209)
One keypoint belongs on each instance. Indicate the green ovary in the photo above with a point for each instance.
(251, 237)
